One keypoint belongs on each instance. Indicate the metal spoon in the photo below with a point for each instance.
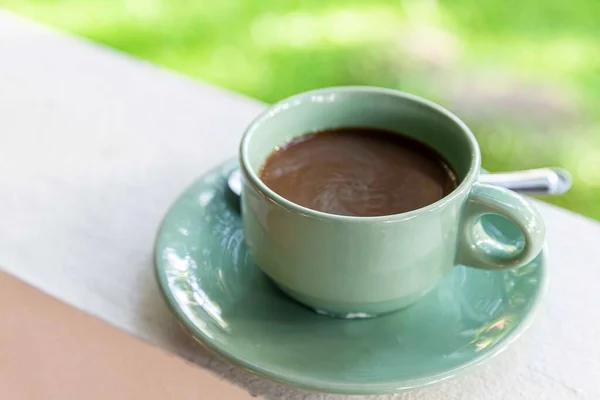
(540, 181)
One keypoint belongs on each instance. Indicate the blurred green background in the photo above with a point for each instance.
(524, 75)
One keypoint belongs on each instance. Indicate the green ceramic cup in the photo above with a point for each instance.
(364, 266)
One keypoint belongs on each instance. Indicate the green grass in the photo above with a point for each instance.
(525, 76)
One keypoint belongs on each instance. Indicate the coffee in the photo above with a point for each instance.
(358, 172)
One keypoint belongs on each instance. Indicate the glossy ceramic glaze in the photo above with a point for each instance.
(365, 266)
(213, 286)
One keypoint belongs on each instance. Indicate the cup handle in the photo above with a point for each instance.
(478, 249)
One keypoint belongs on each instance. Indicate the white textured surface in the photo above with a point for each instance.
(94, 148)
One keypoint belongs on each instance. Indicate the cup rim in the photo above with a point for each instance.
(282, 106)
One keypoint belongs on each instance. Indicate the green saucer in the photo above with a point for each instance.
(219, 294)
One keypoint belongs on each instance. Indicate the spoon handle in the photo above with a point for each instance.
(540, 181)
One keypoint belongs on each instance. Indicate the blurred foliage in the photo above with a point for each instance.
(525, 76)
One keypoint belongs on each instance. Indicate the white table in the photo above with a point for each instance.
(96, 145)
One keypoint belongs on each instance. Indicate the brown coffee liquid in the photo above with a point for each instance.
(358, 172)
